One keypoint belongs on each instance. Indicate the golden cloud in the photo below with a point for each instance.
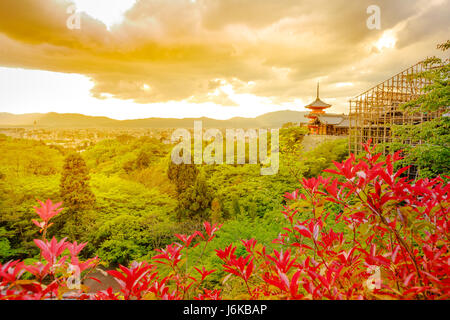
(183, 50)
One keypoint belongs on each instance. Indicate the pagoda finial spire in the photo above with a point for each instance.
(318, 85)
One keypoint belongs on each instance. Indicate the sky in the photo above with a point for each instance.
(216, 58)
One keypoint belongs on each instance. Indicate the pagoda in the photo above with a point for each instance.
(317, 108)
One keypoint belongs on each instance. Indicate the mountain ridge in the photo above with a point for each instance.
(75, 120)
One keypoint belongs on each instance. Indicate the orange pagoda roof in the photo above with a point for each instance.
(318, 104)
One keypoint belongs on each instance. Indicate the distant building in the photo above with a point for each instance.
(322, 123)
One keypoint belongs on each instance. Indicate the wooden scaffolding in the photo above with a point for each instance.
(374, 112)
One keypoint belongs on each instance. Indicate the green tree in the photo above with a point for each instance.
(182, 176)
(429, 150)
(291, 148)
(252, 210)
(195, 201)
(5, 248)
(75, 191)
(235, 207)
(216, 211)
(142, 160)
(322, 157)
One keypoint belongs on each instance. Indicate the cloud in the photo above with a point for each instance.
(431, 21)
(183, 50)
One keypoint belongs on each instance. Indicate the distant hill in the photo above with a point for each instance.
(72, 120)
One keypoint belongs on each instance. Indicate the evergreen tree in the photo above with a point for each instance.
(75, 191)
(182, 176)
(142, 160)
(195, 201)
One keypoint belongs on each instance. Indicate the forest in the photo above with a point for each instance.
(328, 225)
(125, 197)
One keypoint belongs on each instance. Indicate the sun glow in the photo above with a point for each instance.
(387, 40)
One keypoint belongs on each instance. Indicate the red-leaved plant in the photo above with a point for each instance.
(396, 247)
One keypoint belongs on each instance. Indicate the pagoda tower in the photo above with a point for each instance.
(317, 108)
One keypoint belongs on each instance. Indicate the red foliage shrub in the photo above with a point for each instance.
(397, 248)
